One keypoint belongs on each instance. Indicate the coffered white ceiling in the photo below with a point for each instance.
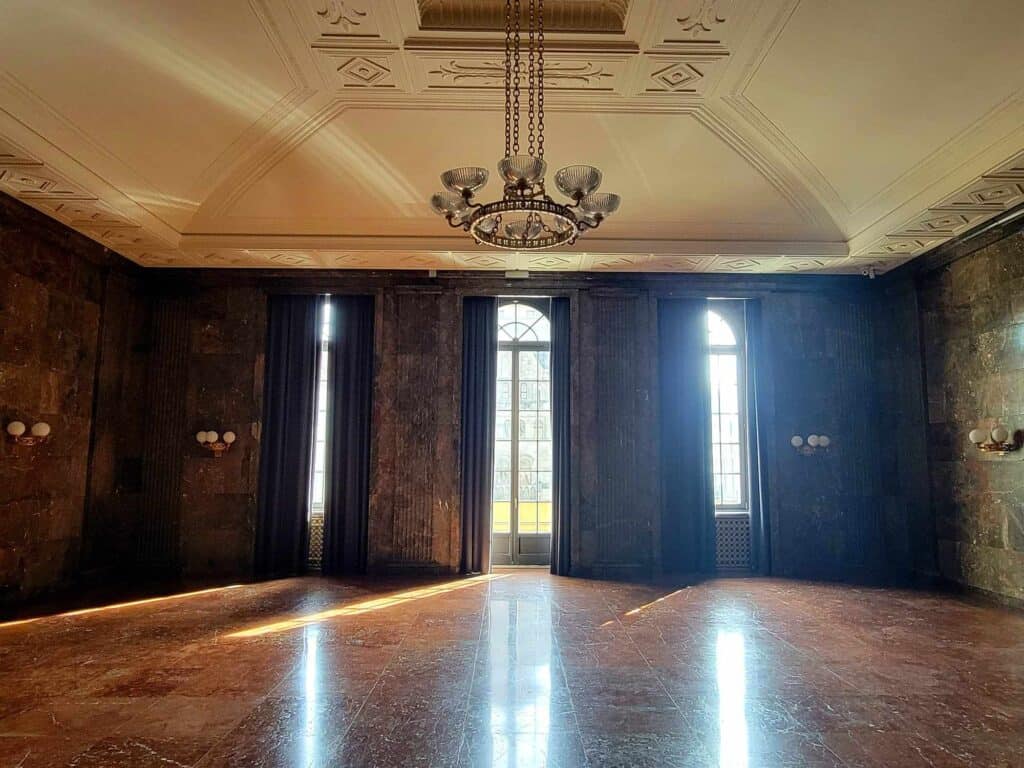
(743, 135)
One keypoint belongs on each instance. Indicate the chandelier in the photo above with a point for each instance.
(526, 218)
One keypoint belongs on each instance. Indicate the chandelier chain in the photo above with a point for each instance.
(531, 75)
(508, 78)
(540, 79)
(516, 75)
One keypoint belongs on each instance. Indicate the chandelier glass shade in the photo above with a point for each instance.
(526, 218)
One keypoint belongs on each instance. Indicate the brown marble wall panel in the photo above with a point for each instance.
(617, 436)
(51, 298)
(972, 317)
(223, 359)
(825, 508)
(158, 525)
(114, 502)
(902, 425)
(414, 495)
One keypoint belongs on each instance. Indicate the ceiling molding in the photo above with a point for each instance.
(666, 60)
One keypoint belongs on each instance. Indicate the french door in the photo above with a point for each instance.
(522, 490)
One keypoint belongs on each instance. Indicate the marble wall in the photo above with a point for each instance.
(157, 356)
(53, 325)
(972, 318)
(824, 508)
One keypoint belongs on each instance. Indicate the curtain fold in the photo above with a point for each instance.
(760, 539)
(688, 510)
(350, 395)
(286, 439)
(479, 399)
(561, 534)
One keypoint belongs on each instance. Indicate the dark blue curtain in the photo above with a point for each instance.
(479, 398)
(286, 439)
(688, 509)
(760, 539)
(561, 539)
(350, 394)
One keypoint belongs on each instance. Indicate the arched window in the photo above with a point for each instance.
(522, 491)
(728, 406)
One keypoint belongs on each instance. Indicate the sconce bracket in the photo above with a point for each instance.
(28, 440)
(218, 449)
(997, 449)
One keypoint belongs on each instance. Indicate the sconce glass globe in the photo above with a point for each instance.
(201, 437)
(229, 437)
(796, 441)
(824, 441)
(40, 429)
(1000, 434)
(211, 437)
(977, 436)
(16, 429)
(812, 440)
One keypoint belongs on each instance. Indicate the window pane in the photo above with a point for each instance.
(504, 364)
(544, 365)
(527, 456)
(719, 332)
(731, 459)
(503, 456)
(544, 456)
(501, 517)
(730, 429)
(528, 396)
(503, 486)
(529, 369)
(503, 426)
(544, 486)
(504, 395)
(527, 486)
(528, 517)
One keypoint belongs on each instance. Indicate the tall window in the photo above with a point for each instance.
(522, 462)
(728, 417)
(316, 505)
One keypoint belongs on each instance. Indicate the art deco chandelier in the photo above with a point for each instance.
(526, 218)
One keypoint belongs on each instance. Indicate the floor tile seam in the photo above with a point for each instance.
(472, 678)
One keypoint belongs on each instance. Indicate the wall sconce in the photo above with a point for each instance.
(39, 433)
(999, 441)
(813, 444)
(211, 441)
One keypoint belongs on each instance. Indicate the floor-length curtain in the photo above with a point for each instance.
(760, 539)
(286, 439)
(688, 511)
(561, 533)
(349, 393)
(479, 399)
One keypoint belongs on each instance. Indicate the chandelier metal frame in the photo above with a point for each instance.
(526, 218)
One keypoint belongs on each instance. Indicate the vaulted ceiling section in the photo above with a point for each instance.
(761, 136)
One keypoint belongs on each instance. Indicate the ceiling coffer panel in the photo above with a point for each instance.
(584, 16)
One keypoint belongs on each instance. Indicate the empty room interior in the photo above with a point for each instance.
(512, 383)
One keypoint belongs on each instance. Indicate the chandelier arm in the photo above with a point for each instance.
(584, 224)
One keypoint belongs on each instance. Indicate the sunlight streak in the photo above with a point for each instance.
(366, 606)
(645, 606)
(732, 694)
(131, 604)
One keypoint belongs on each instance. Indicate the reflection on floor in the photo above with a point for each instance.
(520, 670)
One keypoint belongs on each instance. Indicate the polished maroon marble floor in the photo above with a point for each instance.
(522, 669)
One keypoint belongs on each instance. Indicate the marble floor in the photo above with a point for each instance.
(518, 669)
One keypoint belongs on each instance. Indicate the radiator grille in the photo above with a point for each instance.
(316, 541)
(733, 543)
